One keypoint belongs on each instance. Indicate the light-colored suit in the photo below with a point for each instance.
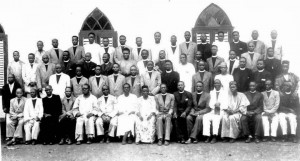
(53, 56)
(43, 75)
(251, 64)
(96, 90)
(32, 127)
(15, 68)
(174, 57)
(235, 65)
(118, 55)
(136, 86)
(59, 88)
(116, 88)
(141, 67)
(110, 51)
(29, 75)
(138, 56)
(207, 81)
(153, 83)
(278, 53)
(79, 54)
(14, 127)
(260, 47)
(190, 52)
(214, 68)
(77, 88)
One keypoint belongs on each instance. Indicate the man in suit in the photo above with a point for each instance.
(142, 64)
(242, 76)
(151, 78)
(126, 63)
(15, 68)
(106, 67)
(204, 76)
(78, 81)
(14, 125)
(137, 52)
(106, 122)
(198, 58)
(204, 47)
(39, 53)
(251, 122)
(93, 48)
(33, 113)
(76, 52)
(170, 77)
(55, 54)
(157, 46)
(200, 108)
(43, 72)
(106, 49)
(97, 81)
(118, 55)
(52, 110)
(214, 61)
(68, 66)
(269, 114)
(188, 47)
(232, 63)
(182, 106)
(116, 81)
(259, 45)
(59, 81)
(238, 46)
(276, 45)
(67, 121)
(251, 57)
(272, 65)
(223, 46)
(160, 65)
(9, 92)
(165, 105)
(88, 66)
(173, 51)
(261, 75)
(29, 73)
(135, 81)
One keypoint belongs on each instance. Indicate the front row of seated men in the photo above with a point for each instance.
(253, 114)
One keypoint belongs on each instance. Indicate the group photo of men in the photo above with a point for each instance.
(185, 93)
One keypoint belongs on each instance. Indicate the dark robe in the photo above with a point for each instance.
(171, 80)
(88, 69)
(239, 48)
(161, 65)
(106, 69)
(242, 78)
(274, 67)
(68, 68)
(7, 96)
(205, 50)
(260, 79)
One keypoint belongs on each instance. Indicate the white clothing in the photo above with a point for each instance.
(95, 51)
(186, 73)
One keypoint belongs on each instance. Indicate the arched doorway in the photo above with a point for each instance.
(98, 23)
(3, 58)
(212, 20)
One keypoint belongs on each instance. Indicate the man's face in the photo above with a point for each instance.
(201, 66)
(168, 66)
(58, 68)
(214, 50)
(32, 93)
(273, 35)
(19, 93)
(40, 45)
(163, 89)
(268, 85)
(133, 71)
(10, 78)
(66, 56)
(87, 57)
(68, 92)
(254, 35)
(199, 87)
(85, 90)
(223, 69)
(122, 40)
(187, 36)
(203, 38)
(236, 36)
(270, 52)
(260, 65)
(45, 59)
(173, 40)
(105, 90)
(31, 58)
(55, 43)
(286, 88)
(16, 56)
(105, 42)
(217, 85)
(180, 86)
(116, 68)
(285, 68)
(126, 54)
(91, 38)
(97, 70)
(150, 66)
(220, 37)
(138, 41)
(144, 54)
(198, 55)
(78, 71)
(162, 55)
(251, 47)
(105, 58)
(75, 41)
(157, 37)
(48, 90)
(232, 55)
(252, 86)
(183, 59)
(145, 92)
(242, 63)
(126, 88)
(233, 88)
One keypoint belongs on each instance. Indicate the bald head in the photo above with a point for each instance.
(58, 68)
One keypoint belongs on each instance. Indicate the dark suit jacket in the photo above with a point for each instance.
(288, 103)
(239, 48)
(69, 68)
(7, 96)
(183, 105)
(52, 106)
(88, 69)
(260, 79)
(201, 107)
(205, 50)
(171, 80)
(274, 67)
(107, 69)
(161, 65)
(207, 81)
(242, 78)
(256, 102)
(196, 65)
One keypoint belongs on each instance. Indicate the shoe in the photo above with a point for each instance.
(33, 142)
(61, 142)
(69, 141)
(248, 140)
(124, 139)
(182, 141)
(195, 141)
(107, 140)
(189, 141)
(78, 142)
(101, 141)
(273, 139)
(167, 143)
(295, 139)
(44, 143)
(11, 142)
(232, 140)
(225, 140)
(26, 142)
(160, 142)
(130, 140)
(89, 141)
(265, 139)
(284, 138)
(207, 140)
(213, 140)
(256, 140)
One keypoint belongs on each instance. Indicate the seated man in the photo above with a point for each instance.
(237, 106)
(78, 81)
(67, 121)
(14, 127)
(106, 122)
(269, 115)
(165, 105)
(288, 110)
(251, 122)
(151, 78)
(160, 65)
(83, 111)
(33, 113)
(203, 76)
(201, 107)
(52, 110)
(218, 103)
(145, 122)
(126, 63)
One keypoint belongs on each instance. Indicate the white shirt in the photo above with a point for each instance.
(155, 49)
(186, 73)
(85, 105)
(95, 51)
(223, 49)
(11, 87)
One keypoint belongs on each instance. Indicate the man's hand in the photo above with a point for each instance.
(89, 115)
(47, 115)
(132, 112)
(13, 117)
(78, 114)
(183, 115)
(37, 119)
(120, 113)
(169, 115)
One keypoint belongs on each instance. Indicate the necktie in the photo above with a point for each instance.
(68, 100)
(173, 49)
(132, 80)
(66, 64)
(19, 99)
(34, 102)
(115, 78)
(78, 80)
(138, 50)
(105, 98)
(180, 97)
(31, 65)
(198, 98)
(268, 93)
(230, 66)
(251, 55)
(74, 50)
(57, 53)
(57, 78)
(164, 98)
(273, 44)
(106, 50)
(187, 45)
(150, 74)
(46, 66)
(98, 80)
(214, 60)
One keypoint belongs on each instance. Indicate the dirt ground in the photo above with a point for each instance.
(115, 152)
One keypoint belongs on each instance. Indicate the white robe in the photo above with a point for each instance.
(225, 80)
(155, 49)
(223, 49)
(174, 57)
(39, 57)
(59, 88)
(95, 51)
(15, 68)
(186, 73)
(29, 75)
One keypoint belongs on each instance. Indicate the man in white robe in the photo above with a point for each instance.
(223, 46)
(40, 52)
(157, 47)
(93, 48)
(29, 73)
(186, 71)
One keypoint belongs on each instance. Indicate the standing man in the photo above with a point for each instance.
(152, 79)
(88, 66)
(116, 81)
(158, 46)
(238, 46)
(204, 47)
(9, 92)
(142, 64)
(261, 75)
(276, 45)
(118, 55)
(223, 46)
(232, 63)
(204, 76)
(242, 76)
(135, 81)
(55, 54)
(259, 45)
(93, 48)
(68, 66)
(272, 65)
(29, 73)
(198, 58)
(214, 61)
(188, 47)
(182, 106)
(160, 65)
(97, 81)
(59, 81)
(76, 52)
(186, 71)
(78, 81)
(251, 57)
(15, 68)
(126, 63)
(106, 49)
(40, 52)
(106, 67)
(165, 105)
(173, 52)
(170, 78)
(137, 52)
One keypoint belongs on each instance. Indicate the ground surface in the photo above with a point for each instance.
(115, 152)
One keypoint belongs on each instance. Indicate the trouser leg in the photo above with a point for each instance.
(159, 126)
(167, 128)
(245, 125)
(99, 126)
(197, 127)
(19, 130)
(207, 118)
(266, 125)
(258, 125)
(190, 124)
(79, 129)
(274, 125)
(10, 127)
(90, 126)
(216, 120)
(28, 129)
(293, 123)
(35, 130)
(283, 122)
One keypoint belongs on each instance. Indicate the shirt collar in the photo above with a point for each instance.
(201, 71)
(254, 40)
(169, 71)
(252, 92)
(116, 74)
(273, 39)
(200, 92)
(133, 76)
(46, 63)
(149, 71)
(50, 96)
(232, 59)
(66, 61)
(174, 46)
(261, 70)
(58, 73)
(242, 68)
(106, 47)
(11, 84)
(251, 52)
(164, 94)
(187, 42)
(214, 56)
(162, 60)
(55, 48)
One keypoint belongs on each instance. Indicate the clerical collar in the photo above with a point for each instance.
(202, 71)
(250, 52)
(181, 92)
(204, 43)
(55, 48)
(106, 47)
(50, 96)
(11, 84)
(139, 47)
(106, 63)
(271, 57)
(162, 60)
(218, 91)
(173, 46)
(75, 46)
(34, 98)
(187, 42)
(200, 92)
(242, 68)
(164, 94)
(133, 76)
(253, 91)
(254, 40)
(261, 70)
(79, 77)
(170, 71)
(68, 97)
(105, 96)
(150, 71)
(66, 61)
(273, 39)
(122, 45)
(115, 74)
(46, 63)
(269, 90)
(97, 76)
(288, 92)
(214, 56)
(232, 59)
(87, 61)
(236, 42)
(145, 60)
(58, 73)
